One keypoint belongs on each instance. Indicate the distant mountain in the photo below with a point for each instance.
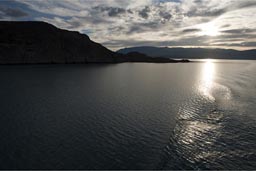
(40, 42)
(191, 53)
(140, 57)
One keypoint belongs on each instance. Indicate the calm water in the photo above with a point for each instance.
(129, 116)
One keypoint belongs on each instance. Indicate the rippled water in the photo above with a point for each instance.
(129, 116)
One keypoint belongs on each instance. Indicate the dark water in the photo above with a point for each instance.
(129, 116)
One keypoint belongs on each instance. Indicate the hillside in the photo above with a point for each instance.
(39, 42)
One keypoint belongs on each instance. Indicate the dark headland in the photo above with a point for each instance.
(42, 43)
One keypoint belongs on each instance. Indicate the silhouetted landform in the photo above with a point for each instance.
(40, 42)
(191, 53)
(140, 57)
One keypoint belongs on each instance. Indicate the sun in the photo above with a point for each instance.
(209, 29)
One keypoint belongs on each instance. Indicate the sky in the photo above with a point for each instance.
(164, 23)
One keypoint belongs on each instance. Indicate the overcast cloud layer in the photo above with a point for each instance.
(125, 23)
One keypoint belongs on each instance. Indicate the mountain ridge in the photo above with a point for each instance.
(192, 53)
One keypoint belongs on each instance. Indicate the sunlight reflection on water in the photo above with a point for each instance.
(207, 79)
(199, 121)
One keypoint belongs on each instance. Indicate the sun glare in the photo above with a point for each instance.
(209, 29)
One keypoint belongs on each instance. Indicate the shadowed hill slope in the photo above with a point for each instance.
(39, 42)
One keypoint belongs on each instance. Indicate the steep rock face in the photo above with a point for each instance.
(39, 42)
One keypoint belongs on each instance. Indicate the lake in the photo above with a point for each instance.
(129, 116)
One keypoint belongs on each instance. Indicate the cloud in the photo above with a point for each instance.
(121, 23)
(242, 44)
(111, 11)
(12, 12)
(250, 44)
(144, 12)
(195, 41)
(165, 15)
(206, 13)
(190, 30)
(225, 26)
(115, 11)
(239, 31)
(246, 4)
(142, 27)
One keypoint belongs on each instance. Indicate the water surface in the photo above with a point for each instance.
(129, 116)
